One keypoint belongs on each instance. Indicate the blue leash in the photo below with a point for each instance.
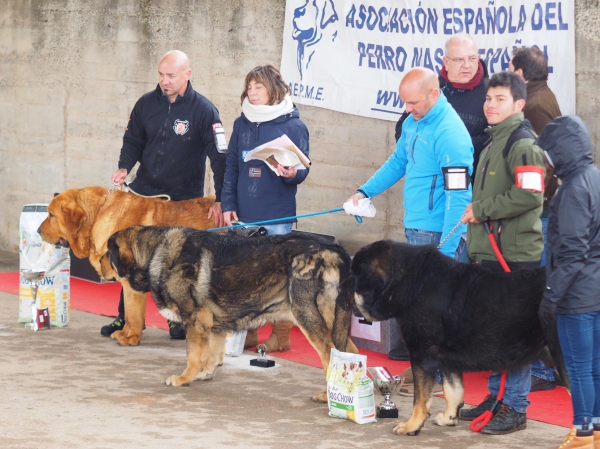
(275, 220)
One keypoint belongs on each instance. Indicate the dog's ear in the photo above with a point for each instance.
(74, 216)
(120, 255)
(329, 14)
(126, 265)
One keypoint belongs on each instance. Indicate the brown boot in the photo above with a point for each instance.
(596, 436)
(279, 340)
(251, 338)
(578, 439)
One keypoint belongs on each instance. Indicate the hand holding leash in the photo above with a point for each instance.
(119, 176)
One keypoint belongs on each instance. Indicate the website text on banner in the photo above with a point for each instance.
(350, 56)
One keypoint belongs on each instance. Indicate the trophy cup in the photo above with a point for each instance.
(387, 385)
(387, 409)
(39, 318)
(262, 361)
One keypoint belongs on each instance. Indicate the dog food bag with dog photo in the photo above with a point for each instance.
(349, 389)
(36, 255)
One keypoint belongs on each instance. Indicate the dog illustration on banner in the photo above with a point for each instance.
(310, 20)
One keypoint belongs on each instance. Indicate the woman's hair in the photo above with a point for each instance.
(268, 76)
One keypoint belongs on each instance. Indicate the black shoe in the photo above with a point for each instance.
(176, 330)
(116, 325)
(537, 384)
(399, 354)
(507, 420)
(469, 414)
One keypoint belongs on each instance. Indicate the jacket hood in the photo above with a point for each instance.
(567, 142)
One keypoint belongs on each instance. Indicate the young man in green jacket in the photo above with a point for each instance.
(508, 195)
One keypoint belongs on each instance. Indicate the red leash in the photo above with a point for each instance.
(478, 423)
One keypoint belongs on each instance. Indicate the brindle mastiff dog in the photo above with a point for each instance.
(217, 283)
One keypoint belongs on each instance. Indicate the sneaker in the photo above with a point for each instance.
(176, 330)
(470, 414)
(507, 420)
(537, 384)
(116, 325)
(409, 390)
(399, 354)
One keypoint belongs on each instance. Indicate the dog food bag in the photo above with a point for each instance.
(34, 254)
(234, 343)
(349, 389)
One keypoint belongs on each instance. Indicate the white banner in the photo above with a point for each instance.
(350, 56)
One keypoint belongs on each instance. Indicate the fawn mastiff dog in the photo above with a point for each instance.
(84, 219)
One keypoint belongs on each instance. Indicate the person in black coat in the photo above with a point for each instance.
(171, 133)
(572, 295)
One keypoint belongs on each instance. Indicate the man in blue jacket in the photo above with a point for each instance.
(435, 155)
(171, 132)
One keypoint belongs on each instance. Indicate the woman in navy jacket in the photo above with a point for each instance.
(251, 190)
(573, 264)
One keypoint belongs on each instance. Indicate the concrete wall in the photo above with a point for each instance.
(71, 70)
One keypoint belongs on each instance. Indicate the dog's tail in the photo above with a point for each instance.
(558, 359)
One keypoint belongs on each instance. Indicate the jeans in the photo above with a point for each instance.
(538, 369)
(279, 229)
(518, 384)
(421, 237)
(518, 381)
(579, 337)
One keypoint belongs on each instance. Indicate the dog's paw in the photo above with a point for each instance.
(132, 340)
(403, 428)
(177, 381)
(126, 340)
(320, 397)
(442, 420)
(205, 375)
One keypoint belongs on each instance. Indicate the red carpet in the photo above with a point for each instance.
(553, 407)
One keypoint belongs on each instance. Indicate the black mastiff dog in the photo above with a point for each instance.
(215, 283)
(453, 316)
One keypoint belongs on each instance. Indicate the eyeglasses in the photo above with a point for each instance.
(471, 59)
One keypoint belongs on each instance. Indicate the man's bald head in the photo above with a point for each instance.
(177, 58)
(173, 74)
(421, 79)
(419, 89)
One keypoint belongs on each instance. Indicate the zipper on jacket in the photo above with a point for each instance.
(484, 172)
(412, 148)
(163, 140)
(432, 191)
(499, 232)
